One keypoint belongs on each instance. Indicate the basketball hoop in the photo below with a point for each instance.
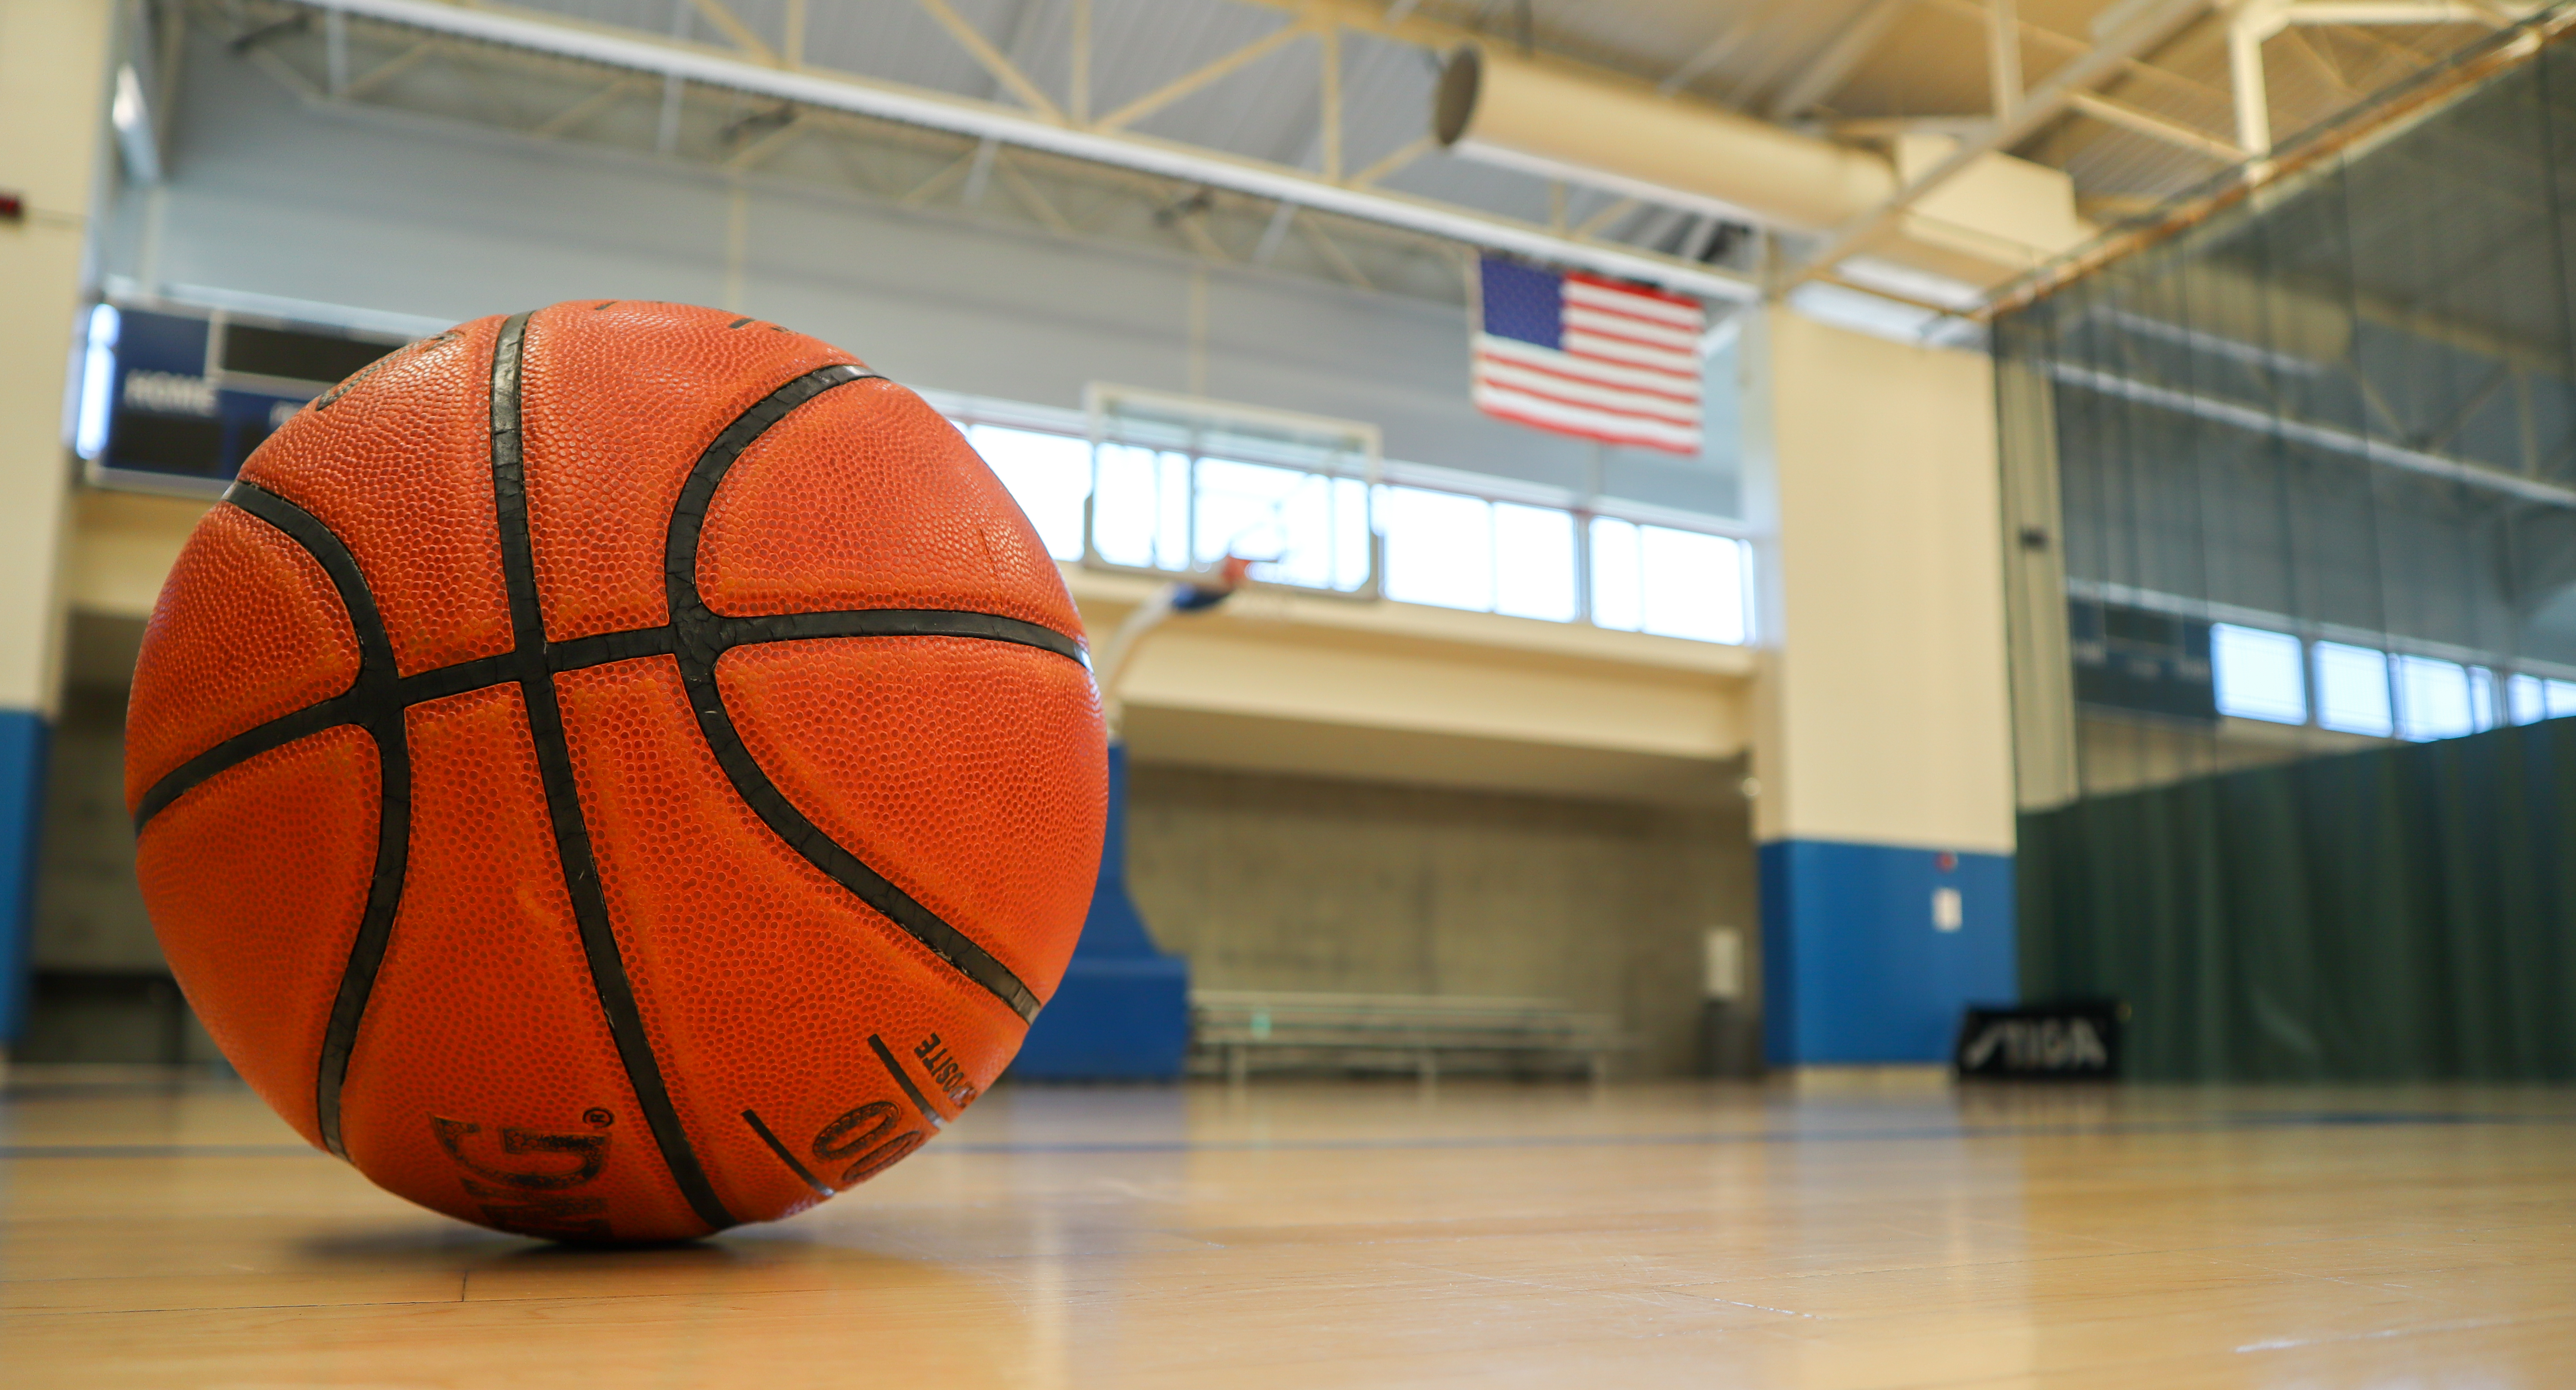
(1195, 594)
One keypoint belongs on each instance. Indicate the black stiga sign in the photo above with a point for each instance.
(2078, 1041)
(185, 394)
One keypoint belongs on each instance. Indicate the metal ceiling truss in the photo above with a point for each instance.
(1239, 208)
(1033, 127)
(2137, 30)
(391, 71)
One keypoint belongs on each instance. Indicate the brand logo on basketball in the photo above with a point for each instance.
(944, 1070)
(533, 1201)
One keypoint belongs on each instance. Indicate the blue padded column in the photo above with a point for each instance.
(23, 743)
(1123, 1011)
(1855, 967)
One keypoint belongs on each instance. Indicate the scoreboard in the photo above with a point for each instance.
(174, 397)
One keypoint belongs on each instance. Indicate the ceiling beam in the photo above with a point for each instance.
(2385, 12)
(1002, 68)
(388, 70)
(1600, 221)
(1716, 50)
(734, 29)
(2150, 29)
(2246, 30)
(638, 52)
(1841, 58)
(2149, 124)
(1395, 159)
(2003, 58)
(572, 116)
(2069, 46)
(1198, 77)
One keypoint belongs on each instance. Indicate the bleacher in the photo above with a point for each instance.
(1236, 1032)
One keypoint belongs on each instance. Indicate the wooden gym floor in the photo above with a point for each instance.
(1327, 1237)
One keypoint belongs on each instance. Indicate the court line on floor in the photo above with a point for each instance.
(2215, 1124)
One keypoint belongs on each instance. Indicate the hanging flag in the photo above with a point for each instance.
(1584, 356)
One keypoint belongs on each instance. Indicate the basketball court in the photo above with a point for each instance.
(1371, 1235)
(1284, 692)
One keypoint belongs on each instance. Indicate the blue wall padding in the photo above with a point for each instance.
(1853, 969)
(1123, 1011)
(24, 739)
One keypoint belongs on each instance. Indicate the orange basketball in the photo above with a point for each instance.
(616, 772)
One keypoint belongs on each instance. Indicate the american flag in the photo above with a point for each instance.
(1585, 356)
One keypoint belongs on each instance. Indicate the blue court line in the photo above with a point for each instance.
(2323, 1119)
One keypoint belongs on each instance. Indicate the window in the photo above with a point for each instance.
(2433, 699)
(2532, 699)
(1049, 475)
(1141, 508)
(1534, 563)
(2352, 689)
(1455, 551)
(1618, 575)
(98, 380)
(2260, 674)
(1302, 528)
(1673, 583)
(1694, 585)
(1439, 548)
(2526, 699)
(1160, 508)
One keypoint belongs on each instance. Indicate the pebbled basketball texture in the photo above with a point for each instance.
(616, 772)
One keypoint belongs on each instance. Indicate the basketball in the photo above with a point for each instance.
(616, 772)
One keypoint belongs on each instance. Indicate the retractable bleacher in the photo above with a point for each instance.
(1234, 1033)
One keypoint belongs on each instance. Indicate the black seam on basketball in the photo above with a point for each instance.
(895, 622)
(894, 1068)
(241, 748)
(698, 639)
(373, 704)
(784, 1154)
(438, 683)
(424, 686)
(528, 665)
(606, 647)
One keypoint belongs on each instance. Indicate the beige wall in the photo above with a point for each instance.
(1300, 883)
(1882, 711)
(53, 62)
(122, 547)
(1396, 666)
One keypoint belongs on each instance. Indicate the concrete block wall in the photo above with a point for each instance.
(1270, 881)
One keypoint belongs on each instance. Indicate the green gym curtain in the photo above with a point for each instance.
(2391, 915)
(2336, 415)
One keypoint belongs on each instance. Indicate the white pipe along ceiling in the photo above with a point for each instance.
(1996, 219)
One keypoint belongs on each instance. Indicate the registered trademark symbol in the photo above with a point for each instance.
(599, 1117)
